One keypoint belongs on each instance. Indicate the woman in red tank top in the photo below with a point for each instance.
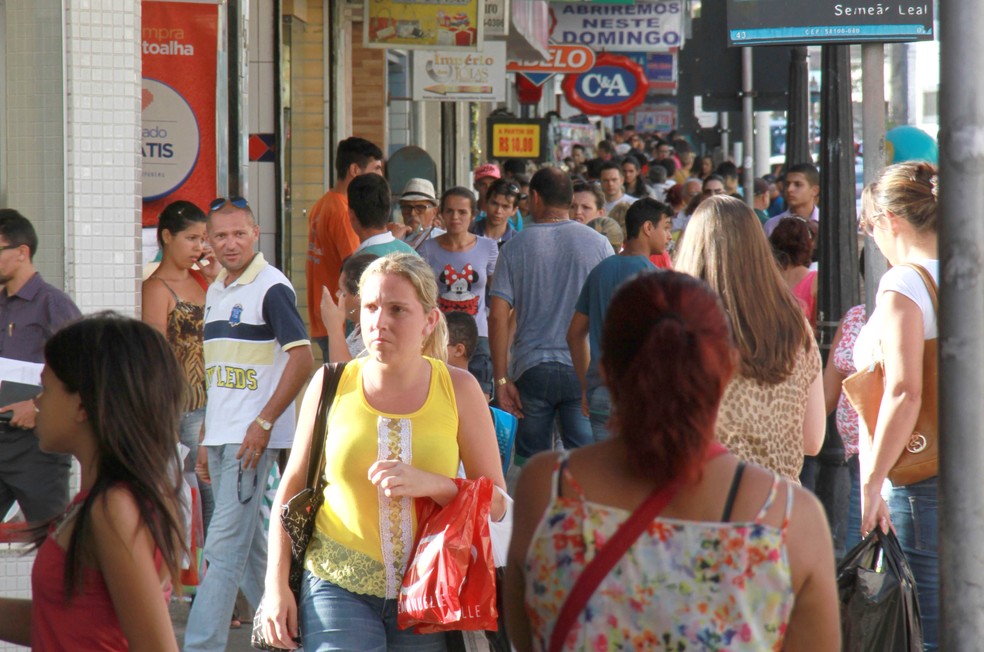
(112, 395)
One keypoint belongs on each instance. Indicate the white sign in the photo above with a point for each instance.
(454, 76)
(646, 26)
(496, 18)
(170, 139)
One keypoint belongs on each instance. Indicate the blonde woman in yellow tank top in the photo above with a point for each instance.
(400, 423)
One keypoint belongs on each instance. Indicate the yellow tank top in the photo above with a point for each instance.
(362, 539)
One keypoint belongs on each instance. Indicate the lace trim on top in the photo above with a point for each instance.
(395, 524)
(343, 567)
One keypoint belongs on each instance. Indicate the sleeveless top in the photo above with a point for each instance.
(682, 585)
(363, 539)
(85, 623)
(804, 296)
(185, 334)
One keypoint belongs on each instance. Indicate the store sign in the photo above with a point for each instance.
(496, 18)
(564, 59)
(178, 44)
(614, 86)
(455, 76)
(660, 68)
(655, 117)
(646, 26)
(774, 22)
(426, 24)
(517, 138)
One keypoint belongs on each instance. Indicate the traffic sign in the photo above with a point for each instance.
(614, 86)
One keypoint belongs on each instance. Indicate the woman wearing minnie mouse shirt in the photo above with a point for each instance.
(464, 264)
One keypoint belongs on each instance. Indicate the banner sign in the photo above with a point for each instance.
(646, 26)
(563, 59)
(453, 76)
(660, 67)
(496, 18)
(517, 138)
(613, 87)
(425, 24)
(774, 22)
(655, 117)
(179, 45)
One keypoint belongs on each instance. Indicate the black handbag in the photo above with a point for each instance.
(297, 515)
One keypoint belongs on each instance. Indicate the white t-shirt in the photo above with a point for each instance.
(908, 283)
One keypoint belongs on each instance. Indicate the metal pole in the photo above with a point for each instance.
(838, 287)
(873, 136)
(798, 115)
(763, 143)
(961, 240)
(449, 135)
(748, 127)
(723, 121)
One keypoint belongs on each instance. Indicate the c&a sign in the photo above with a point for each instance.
(614, 86)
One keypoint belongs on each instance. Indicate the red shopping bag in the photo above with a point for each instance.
(450, 581)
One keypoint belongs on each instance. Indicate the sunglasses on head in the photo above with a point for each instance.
(235, 200)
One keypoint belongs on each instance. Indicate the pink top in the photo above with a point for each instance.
(87, 622)
(847, 418)
(804, 294)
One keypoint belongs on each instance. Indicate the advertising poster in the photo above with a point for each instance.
(179, 44)
(646, 26)
(450, 76)
(425, 24)
(496, 18)
(517, 138)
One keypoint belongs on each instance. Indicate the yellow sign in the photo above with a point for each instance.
(427, 24)
(515, 141)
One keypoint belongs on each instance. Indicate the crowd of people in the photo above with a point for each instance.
(649, 336)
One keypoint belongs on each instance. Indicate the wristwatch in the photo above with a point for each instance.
(499, 382)
(263, 423)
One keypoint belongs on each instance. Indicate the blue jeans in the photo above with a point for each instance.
(235, 547)
(915, 514)
(191, 430)
(599, 411)
(853, 535)
(547, 390)
(335, 620)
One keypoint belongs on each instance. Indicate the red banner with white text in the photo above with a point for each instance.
(179, 45)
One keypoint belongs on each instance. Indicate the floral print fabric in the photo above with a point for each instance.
(683, 585)
(847, 418)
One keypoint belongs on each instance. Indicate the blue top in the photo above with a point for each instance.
(597, 293)
(539, 273)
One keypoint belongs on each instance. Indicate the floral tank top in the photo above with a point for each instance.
(683, 585)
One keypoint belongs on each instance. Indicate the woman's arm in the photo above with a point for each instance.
(15, 621)
(902, 347)
(832, 377)
(532, 497)
(280, 608)
(155, 304)
(815, 419)
(125, 550)
(333, 316)
(814, 623)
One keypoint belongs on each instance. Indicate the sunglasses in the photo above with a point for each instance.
(235, 200)
(239, 486)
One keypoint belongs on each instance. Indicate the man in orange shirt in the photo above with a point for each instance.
(331, 238)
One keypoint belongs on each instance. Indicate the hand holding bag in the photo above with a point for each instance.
(865, 389)
(298, 513)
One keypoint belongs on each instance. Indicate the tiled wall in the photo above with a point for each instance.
(103, 141)
(102, 175)
(262, 193)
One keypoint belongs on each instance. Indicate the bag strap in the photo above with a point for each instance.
(931, 287)
(609, 555)
(316, 458)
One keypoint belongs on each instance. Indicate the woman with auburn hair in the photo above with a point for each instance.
(112, 393)
(731, 538)
(399, 425)
(899, 211)
(772, 413)
(793, 243)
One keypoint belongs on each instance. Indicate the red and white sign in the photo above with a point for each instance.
(614, 86)
(564, 59)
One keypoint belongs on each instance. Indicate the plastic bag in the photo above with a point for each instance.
(449, 583)
(193, 561)
(878, 598)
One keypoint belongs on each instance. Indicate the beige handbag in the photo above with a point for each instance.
(865, 389)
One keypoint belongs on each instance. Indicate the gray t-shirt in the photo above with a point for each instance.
(540, 273)
(462, 277)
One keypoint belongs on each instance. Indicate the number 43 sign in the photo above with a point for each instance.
(615, 85)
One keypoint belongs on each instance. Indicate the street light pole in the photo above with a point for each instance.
(961, 247)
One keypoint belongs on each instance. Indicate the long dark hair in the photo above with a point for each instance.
(132, 390)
